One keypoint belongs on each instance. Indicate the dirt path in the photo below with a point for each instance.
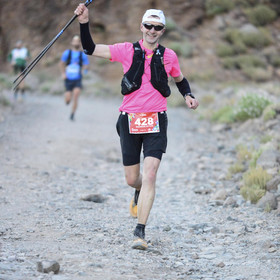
(48, 163)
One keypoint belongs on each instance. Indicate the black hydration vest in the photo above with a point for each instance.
(69, 58)
(132, 79)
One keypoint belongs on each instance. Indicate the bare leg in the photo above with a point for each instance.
(147, 194)
(22, 87)
(133, 176)
(146, 183)
(67, 97)
(76, 94)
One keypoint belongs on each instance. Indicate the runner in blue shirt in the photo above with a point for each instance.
(73, 63)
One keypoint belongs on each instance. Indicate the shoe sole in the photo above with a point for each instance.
(133, 208)
(140, 244)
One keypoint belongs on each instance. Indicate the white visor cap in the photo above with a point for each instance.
(148, 16)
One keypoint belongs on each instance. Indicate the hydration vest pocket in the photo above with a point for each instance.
(128, 86)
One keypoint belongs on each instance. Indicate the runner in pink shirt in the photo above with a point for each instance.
(142, 123)
(145, 99)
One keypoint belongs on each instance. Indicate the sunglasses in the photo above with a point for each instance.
(150, 26)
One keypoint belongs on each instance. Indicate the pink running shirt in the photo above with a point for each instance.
(147, 98)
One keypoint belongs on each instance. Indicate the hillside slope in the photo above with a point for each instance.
(204, 33)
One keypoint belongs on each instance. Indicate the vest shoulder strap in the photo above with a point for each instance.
(137, 46)
(68, 61)
(159, 78)
(81, 58)
(132, 79)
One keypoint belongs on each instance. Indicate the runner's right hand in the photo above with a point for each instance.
(82, 13)
(63, 76)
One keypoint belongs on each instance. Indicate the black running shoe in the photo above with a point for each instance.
(72, 117)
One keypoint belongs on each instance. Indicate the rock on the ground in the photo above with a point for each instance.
(269, 201)
(48, 266)
(273, 184)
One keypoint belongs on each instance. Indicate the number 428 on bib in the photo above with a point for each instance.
(143, 123)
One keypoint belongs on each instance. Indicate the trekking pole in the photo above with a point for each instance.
(26, 71)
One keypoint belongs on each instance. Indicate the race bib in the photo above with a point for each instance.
(73, 71)
(143, 123)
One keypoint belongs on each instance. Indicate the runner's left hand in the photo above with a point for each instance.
(192, 103)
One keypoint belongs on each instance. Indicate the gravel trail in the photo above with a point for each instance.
(48, 164)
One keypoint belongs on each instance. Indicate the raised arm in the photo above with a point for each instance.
(90, 48)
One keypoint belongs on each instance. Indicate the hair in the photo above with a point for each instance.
(19, 42)
(76, 37)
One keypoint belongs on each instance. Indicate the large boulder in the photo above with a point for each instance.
(273, 184)
(268, 201)
(269, 159)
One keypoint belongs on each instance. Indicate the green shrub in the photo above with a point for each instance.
(229, 63)
(170, 24)
(257, 40)
(246, 3)
(202, 76)
(261, 15)
(4, 81)
(242, 153)
(266, 138)
(274, 60)
(250, 106)
(4, 101)
(255, 157)
(240, 48)
(269, 113)
(254, 182)
(232, 36)
(224, 50)
(184, 49)
(243, 61)
(256, 177)
(223, 115)
(214, 7)
(257, 74)
(253, 193)
(240, 41)
(236, 168)
(267, 208)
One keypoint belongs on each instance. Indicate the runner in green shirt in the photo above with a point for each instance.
(18, 58)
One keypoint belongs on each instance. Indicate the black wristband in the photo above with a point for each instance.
(184, 88)
(87, 42)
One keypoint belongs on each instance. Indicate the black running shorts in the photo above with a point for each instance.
(71, 84)
(18, 68)
(154, 144)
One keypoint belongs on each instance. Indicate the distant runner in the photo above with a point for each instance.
(18, 58)
(142, 121)
(73, 63)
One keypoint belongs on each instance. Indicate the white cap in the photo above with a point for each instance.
(153, 12)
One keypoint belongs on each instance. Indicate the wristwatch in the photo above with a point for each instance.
(189, 94)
